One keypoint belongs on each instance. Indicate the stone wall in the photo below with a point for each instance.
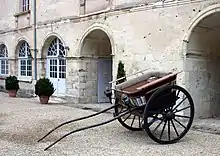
(142, 37)
(202, 72)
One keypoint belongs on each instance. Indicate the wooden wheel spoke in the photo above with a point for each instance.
(128, 121)
(133, 121)
(174, 127)
(179, 104)
(180, 123)
(182, 109)
(158, 126)
(161, 134)
(177, 96)
(178, 93)
(169, 130)
(139, 119)
(121, 110)
(183, 116)
(127, 117)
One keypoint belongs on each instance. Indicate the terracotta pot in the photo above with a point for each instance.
(12, 93)
(44, 99)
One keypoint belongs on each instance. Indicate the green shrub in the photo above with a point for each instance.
(121, 72)
(11, 83)
(44, 87)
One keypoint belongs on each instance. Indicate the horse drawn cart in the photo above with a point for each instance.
(151, 102)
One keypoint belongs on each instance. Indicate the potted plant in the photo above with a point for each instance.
(12, 85)
(44, 89)
(121, 73)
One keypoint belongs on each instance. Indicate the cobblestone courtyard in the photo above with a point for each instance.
(23, 121)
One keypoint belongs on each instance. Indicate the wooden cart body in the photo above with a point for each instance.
(140, 89)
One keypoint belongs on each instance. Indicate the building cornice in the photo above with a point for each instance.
(104, 13)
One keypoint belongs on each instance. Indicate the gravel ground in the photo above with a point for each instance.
(24, 121)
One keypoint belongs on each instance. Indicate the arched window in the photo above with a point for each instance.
(25, 61)
(56, 55)
(3, 60)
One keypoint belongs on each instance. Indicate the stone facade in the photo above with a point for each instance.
(144, 35)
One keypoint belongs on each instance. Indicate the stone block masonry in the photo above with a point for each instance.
(147, 37)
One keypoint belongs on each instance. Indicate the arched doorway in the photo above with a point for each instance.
(96, 66)
(202, 64)
(56, 65)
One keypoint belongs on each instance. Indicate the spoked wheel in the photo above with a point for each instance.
(168, 114)
(129, 121)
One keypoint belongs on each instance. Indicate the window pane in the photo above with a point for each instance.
(29, 62)
(62, 75)
(23, 73)
(64, 68)
(6, 68)
(23, 67)
(3, 71)
(29, 68)
(55, 62)
(56, 47)
(3, 51)
(2, 66)
(25, 5)
(29, 73)
(55, 68)
(23, 62)
(24, 50)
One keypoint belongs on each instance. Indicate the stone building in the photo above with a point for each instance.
(80, 42)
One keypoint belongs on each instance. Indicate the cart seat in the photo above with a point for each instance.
(146, 82)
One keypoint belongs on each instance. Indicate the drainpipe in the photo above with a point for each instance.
(35, 43)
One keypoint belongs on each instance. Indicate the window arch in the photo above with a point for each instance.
(24, 60)
(56, 49)
(3, 60)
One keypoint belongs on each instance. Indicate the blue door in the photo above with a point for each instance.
(104, 77)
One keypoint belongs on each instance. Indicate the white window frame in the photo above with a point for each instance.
(24, 54)
(24, 5)
(55, 54)
(4, 58)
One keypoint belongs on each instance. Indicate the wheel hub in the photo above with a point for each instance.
(170, 115)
